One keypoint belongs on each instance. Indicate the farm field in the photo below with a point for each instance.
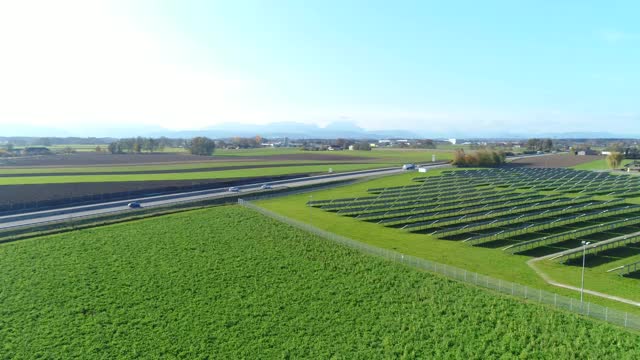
(599, 164)
(15, 194)
(466, 218)
(159, 169)
(191, 175)
(83, 159)
(557, 161)
(106, 173)
(226, 282)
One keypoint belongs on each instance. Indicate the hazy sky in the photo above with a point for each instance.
(537, 66)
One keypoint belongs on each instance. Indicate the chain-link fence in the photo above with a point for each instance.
(617, 317)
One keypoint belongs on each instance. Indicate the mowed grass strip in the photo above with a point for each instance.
(228, 283)
(223, 174)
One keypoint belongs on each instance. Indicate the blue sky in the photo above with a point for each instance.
(491, 66)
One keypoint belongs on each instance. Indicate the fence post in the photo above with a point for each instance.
(555, 300)
(626, 315)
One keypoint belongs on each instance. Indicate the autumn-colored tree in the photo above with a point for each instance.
(614, 159)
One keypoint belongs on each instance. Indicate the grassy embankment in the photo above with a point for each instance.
(492, 262)
(598, 165)
(228, 283)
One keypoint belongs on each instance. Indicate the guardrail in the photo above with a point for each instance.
(588, 309)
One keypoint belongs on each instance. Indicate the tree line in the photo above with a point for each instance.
(138, 145)
(196, 146)
(536, 144)
(480, 158)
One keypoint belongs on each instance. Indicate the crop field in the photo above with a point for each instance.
(228, 283)
(190, 175)
(26, 180)
(491, 221)
(558, 161)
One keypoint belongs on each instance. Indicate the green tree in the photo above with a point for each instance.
(201, 146)
(363, 146)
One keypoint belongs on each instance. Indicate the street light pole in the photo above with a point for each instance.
(584, 255)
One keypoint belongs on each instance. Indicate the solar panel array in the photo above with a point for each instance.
(520, 208)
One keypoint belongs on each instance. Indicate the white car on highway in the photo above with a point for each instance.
(266, 187)
(234, 189)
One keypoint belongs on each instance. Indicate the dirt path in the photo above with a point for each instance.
(550, 281)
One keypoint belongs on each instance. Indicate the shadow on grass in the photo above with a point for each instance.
(606, 256)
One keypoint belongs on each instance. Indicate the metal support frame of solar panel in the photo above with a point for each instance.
(571, 234)
(473, 209)
(491, 215)
(371, 199)
(481, 212)
(450, 205)
(444, 202)
(594, 249)
(527, 223)
(522, 218)
(504, 235)
(403, 204)
(352, 206)
(400, 189)
(630, 268)
(426, 191)
(394, 189)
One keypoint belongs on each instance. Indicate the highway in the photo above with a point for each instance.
(28, 219)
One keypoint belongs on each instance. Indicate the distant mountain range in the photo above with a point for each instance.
(293, 130)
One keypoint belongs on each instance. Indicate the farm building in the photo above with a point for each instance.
(586, 152)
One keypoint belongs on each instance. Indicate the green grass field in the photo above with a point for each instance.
(227, 283)
(597, 165)
(488, 261)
